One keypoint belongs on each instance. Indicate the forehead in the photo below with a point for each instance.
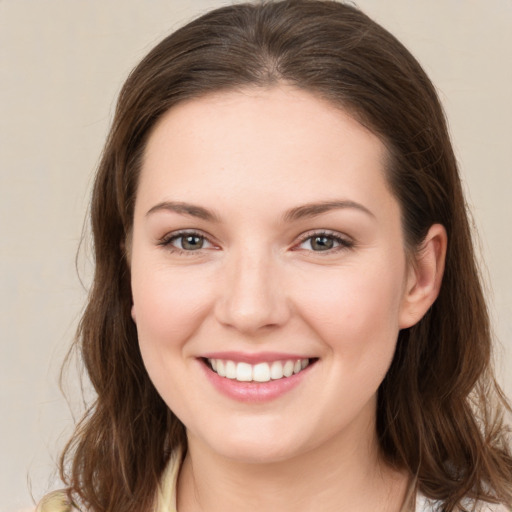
(266, 141)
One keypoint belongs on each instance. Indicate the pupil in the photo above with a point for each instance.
(192, 242)
(322, 243)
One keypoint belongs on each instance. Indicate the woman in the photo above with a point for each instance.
(286, 312)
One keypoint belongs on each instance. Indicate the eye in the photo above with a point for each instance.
(324, 242)
(186, 241)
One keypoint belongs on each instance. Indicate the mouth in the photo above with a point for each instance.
(259, 372)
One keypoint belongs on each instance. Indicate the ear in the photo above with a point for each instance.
(424, 277)
(133, 313)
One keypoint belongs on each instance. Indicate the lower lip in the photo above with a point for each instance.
(254, 391)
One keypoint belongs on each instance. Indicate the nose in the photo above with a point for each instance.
(253, 296)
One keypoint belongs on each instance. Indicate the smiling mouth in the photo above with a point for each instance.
(260, 372)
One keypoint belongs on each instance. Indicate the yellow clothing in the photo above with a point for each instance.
(166, 499)
(56, 501)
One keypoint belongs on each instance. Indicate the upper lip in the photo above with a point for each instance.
(253, 358)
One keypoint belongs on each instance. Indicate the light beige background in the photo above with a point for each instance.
(62, 63)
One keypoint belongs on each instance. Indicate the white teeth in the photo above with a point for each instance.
(221, 370)
(231, 372)
(260, 372)
(276, 370)
(288, 368)
(243, 372)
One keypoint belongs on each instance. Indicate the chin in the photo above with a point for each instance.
(261, 445)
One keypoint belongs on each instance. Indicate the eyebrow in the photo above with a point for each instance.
(294, 214)
(185, 209)
(314, 209)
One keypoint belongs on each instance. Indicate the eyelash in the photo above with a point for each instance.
(167, 241)
(343, 243)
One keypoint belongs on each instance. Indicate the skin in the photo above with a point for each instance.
(258, 284)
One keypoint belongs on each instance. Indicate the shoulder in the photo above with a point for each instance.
(56, 501)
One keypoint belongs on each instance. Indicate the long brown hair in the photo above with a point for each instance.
(439, 408)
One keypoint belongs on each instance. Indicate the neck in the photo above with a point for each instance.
(345, 473)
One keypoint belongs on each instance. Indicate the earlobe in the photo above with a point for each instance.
(133, 313)
(425, 277)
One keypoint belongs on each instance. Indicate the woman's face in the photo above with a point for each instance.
(267, 245)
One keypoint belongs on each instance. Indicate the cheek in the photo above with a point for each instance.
(169, 305)
(356, 318)
(353, 310)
